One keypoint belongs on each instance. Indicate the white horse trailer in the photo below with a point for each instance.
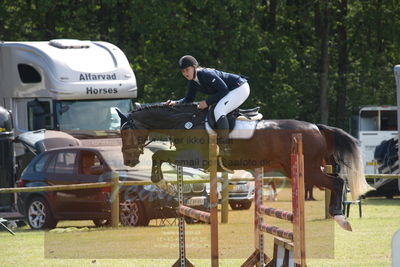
(65, 84)
(379, 143)
(376, 124)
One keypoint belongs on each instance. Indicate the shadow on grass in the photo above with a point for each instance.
(381, 201)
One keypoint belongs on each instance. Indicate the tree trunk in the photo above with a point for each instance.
(104, 20)
(341, 89)
(322, 30)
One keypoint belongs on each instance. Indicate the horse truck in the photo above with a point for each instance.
(378, 134)
(67, 85)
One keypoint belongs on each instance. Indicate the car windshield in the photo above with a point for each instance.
(115, 160)
(99, 115)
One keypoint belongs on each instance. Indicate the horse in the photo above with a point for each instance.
(268, 144)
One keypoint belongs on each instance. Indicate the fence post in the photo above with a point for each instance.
(213, 199)
(298, 205)
(225, 198)
(396, 249)
(115, 200)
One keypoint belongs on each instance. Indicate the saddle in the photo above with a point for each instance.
(251, 114)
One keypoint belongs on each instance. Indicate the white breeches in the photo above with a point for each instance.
(232, 100)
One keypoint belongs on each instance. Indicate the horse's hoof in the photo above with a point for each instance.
(175, 204)
(273, 197)
(167, 187)
(341, 220)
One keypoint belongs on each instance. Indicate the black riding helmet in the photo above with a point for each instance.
(187, 61)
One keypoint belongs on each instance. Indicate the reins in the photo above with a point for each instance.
(148, 143)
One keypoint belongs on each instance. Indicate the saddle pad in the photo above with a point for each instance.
(242, 130)
(257, 117)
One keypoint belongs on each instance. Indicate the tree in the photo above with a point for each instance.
(312, 60)
(322, 28)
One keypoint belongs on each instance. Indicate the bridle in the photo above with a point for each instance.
(133, 147)
(148, 143)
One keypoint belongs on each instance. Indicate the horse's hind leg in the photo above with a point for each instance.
(336, 203)
(309, 192)
(336, 185)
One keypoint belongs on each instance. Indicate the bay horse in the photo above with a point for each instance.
(269, 145)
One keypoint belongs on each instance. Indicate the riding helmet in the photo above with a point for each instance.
(187, 61)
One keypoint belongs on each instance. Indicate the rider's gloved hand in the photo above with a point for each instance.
(170, 102)
(202, 105)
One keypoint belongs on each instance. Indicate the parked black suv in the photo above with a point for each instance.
(78, 164)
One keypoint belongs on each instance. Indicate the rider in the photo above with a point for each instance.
(228, 91)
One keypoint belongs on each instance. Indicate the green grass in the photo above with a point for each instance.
(80, 244)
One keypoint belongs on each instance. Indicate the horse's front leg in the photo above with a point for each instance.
(156, 172)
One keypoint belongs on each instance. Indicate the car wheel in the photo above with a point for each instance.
(240, 205)
(246, 205)
(102, 222)
(132, 213)
(39, 215)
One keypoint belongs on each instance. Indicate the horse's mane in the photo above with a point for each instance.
(162, 107)
(161, 116)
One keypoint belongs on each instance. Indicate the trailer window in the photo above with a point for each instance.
(94, 115)
(369, 120)
(39, 116)
(28, 74)
(389, 120)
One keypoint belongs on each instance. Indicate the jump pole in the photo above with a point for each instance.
(207, 217)
(297, 160)
(289, 249)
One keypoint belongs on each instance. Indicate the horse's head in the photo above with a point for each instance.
(133, 140)
(157, 117)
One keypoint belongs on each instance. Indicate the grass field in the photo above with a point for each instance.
(80, 244)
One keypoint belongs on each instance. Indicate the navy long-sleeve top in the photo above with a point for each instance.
(212, 82)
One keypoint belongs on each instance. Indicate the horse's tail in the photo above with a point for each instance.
(347, 154)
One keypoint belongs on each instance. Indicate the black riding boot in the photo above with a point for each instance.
(223, 136)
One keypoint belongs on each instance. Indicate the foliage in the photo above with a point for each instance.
(277, 44)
